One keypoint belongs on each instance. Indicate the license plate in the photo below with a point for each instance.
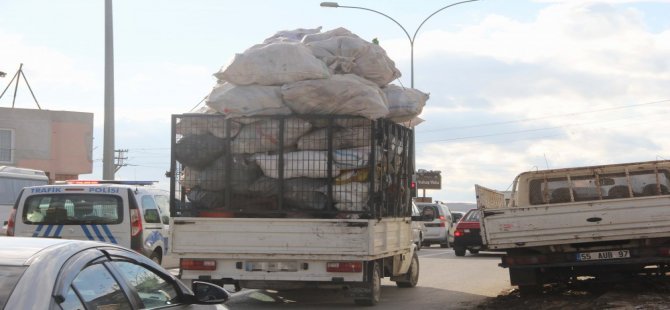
(271, 266)
(603, 255)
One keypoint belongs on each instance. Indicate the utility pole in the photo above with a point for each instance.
(108, 168)
(120, 159)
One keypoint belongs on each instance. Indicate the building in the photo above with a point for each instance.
(59, 143)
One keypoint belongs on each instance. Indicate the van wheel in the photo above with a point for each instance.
(374, 283)
(156, 257)
(412, 276)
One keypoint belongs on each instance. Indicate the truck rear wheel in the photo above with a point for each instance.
(374, 284)
(412, 276)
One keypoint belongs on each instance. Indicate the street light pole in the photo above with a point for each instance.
(410, 38)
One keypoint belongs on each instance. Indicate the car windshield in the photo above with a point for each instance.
(472, 216)
(9, 276)
(74, 209)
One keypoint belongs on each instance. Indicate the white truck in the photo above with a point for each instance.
(600, 221)
(328, 209)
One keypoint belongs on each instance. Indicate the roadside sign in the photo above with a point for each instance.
(428, 179)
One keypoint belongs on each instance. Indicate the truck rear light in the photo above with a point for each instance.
(11, 223)
(661, 251)
(458, 233)
(344, 266)
(197, 264)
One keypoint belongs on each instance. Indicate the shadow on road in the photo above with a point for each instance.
(424, 298)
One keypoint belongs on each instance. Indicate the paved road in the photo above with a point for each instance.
(446, 282)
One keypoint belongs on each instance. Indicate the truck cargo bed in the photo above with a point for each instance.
(578, 222)
(289, 238)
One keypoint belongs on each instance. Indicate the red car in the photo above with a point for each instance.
(467, 234)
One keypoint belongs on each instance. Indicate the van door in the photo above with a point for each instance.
(153, 233)
(73, 212)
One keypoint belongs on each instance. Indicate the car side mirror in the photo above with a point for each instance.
(208, 293)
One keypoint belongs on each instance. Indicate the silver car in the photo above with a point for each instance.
(439, 230)
(45, 273)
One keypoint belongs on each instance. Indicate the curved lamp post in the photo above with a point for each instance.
(411, 46)
(410, 38)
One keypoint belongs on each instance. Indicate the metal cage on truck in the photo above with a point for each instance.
(311, 166)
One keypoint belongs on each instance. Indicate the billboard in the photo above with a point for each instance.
(428, 179)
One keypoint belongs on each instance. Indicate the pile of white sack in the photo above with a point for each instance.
(303, 71)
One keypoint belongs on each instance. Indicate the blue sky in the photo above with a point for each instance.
(515, 85)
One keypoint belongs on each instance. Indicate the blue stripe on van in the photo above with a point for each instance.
(37, 231)
(48, 231)
(58, 230)
(97, 232)
(109, 233)
(86, 232)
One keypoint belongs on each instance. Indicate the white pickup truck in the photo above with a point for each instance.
(599, 221)
(346, 226)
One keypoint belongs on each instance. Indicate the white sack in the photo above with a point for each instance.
(355, 193)
(263, 136)
(247, 100)
(310, 164)
(343, 138)
(291, 35)
(273, 64)
(341, 94)
(404, 103)
(199, 125)
(350, 54)
(353, 158)
(337, 32)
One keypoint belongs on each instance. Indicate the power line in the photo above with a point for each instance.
(526, 130)
(547, 117)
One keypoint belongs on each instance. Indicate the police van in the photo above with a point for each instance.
(133, 214)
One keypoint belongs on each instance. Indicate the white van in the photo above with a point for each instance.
(132, 214)
(12, 181)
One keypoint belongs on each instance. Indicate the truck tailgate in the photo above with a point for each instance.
(568, 223)
(282, 237)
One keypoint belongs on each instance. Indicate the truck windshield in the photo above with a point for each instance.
(73, 209)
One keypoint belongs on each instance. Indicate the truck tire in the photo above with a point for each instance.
(412, 276)
(375, 285)
(459, 251)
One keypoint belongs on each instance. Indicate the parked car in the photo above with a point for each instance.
(47, 273)
(467, 234)
(439, 229)
(133, 214)
(418, 226)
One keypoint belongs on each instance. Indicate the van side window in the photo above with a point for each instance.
(150, 210)
(163, 203)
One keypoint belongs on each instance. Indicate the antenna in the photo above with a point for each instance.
(17, 76)
(545, 160)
